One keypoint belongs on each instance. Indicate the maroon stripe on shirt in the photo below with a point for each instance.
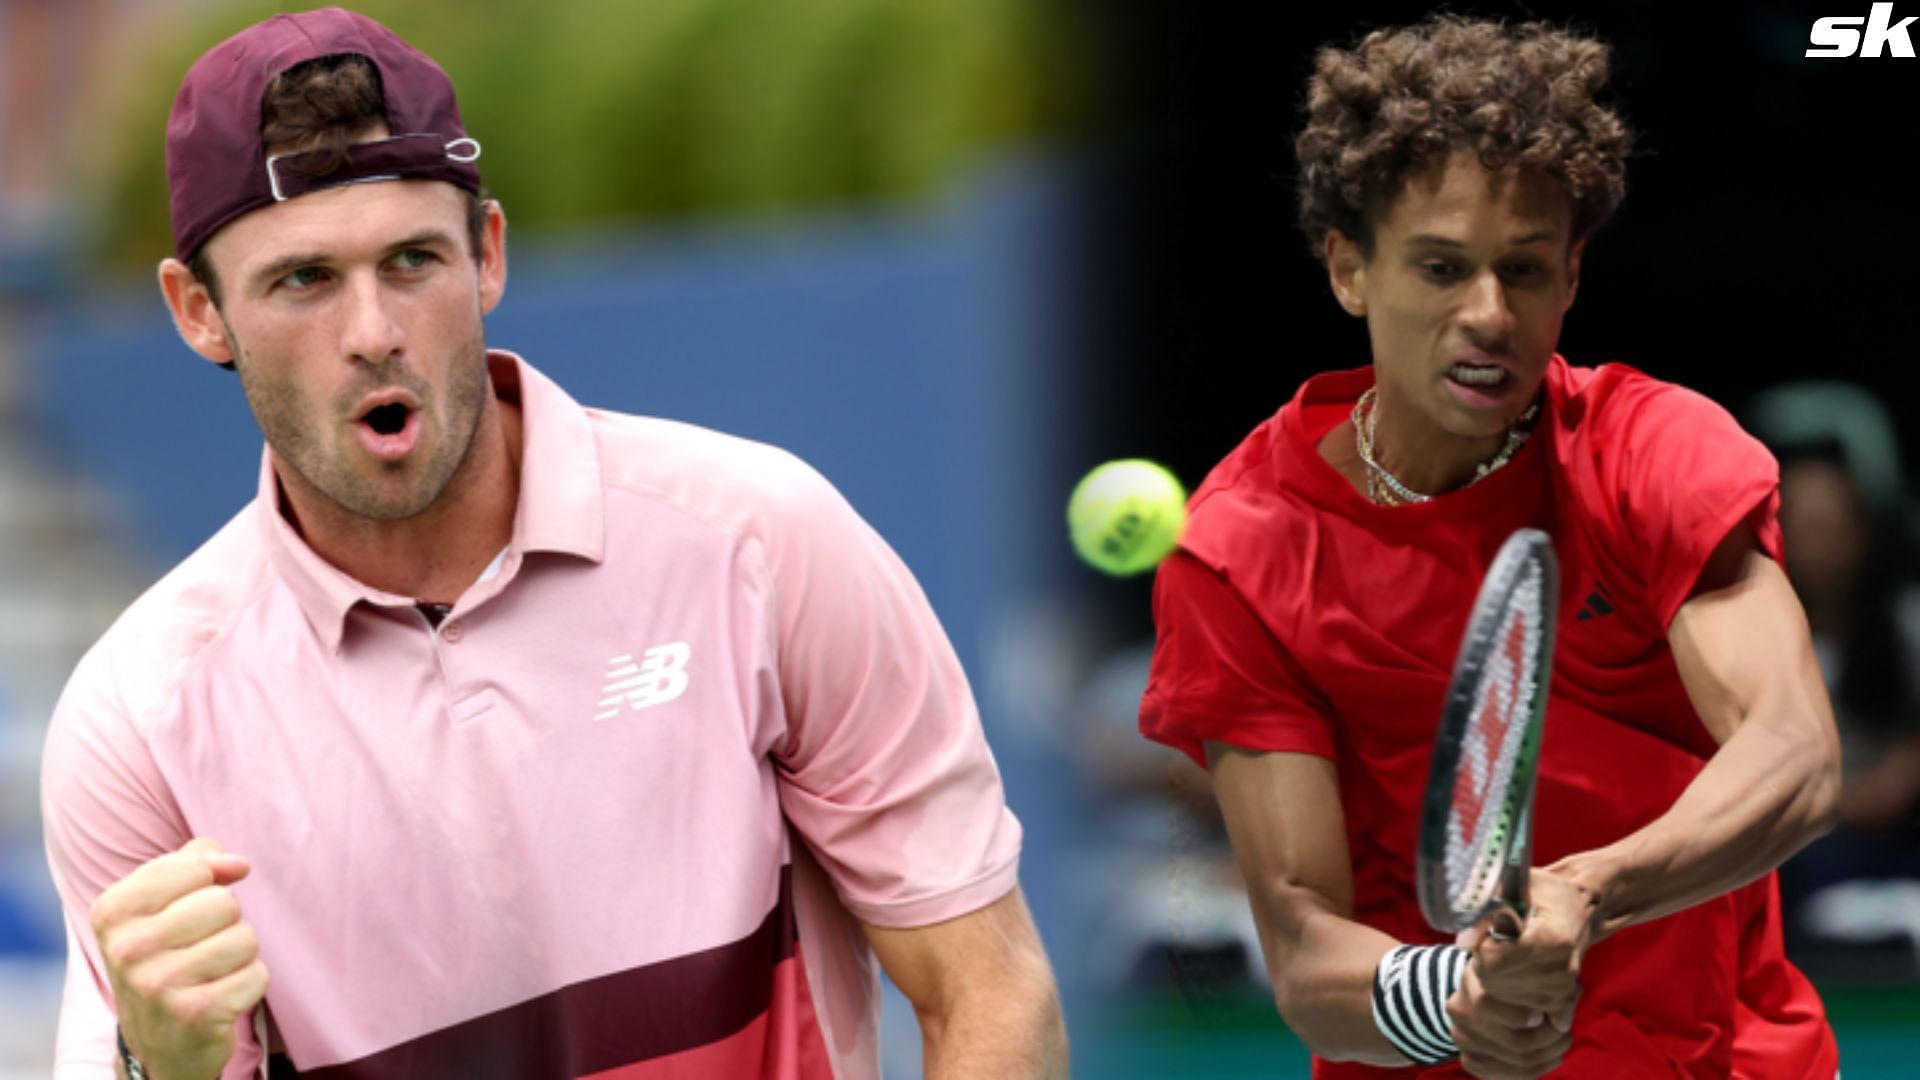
(783, 1043)
(603, 1023)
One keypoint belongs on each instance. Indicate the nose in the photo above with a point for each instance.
(1485, 314)
(371, 333)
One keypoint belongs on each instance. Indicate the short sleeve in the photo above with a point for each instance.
(1219, 674)
(105, 810)
(1686, 476)
(885, 771)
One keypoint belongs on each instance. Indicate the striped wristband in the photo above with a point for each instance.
(1410, 991)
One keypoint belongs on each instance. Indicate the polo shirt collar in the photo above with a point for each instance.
(561, 506)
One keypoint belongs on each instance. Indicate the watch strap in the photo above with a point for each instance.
(135, 1070)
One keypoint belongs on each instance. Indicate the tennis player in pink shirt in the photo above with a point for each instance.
(515, 739)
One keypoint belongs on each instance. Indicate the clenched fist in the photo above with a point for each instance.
(1512, 1016)
(184, 967)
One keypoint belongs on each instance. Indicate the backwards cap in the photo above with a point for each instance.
(217, 167)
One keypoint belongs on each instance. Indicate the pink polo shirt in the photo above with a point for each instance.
(556, 836)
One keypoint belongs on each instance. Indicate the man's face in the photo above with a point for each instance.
(1470, 278)
(354, 316)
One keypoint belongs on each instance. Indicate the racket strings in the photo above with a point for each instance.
(1479, 828)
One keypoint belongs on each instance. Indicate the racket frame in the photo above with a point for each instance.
(1477, 647)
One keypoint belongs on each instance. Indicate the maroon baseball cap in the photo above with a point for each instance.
(217, 168)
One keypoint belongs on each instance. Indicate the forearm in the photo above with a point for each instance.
(1769, 791)
(1015, 1032)
(1283, 815)
(1322, 974)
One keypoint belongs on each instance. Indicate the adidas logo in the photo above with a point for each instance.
(659, 677)
(1596, 605)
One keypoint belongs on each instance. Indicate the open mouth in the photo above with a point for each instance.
(390, 430)
(389, 419)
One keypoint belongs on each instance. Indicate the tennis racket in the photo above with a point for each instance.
(1476, 824)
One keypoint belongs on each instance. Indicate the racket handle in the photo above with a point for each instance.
(1505, 924)
(1511, 915)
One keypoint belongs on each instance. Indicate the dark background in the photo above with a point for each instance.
(1770, 229)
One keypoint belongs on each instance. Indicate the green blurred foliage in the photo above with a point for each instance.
(597, 109)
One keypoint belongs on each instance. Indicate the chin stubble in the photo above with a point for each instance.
(291, 427)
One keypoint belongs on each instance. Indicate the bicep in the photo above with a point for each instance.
(1289, 836)
(1742, 647)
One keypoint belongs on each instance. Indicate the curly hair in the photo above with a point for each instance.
(1511, 95)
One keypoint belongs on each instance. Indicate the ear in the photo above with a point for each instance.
(1573, 272)
(194, 314)
(1346, 272)
(493, 258)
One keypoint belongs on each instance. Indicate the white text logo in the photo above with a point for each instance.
(1841, 40)
(659, 677)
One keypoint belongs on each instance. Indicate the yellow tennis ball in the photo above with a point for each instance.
(1125, 516)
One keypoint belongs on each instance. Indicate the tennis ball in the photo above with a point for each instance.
(1125, 516)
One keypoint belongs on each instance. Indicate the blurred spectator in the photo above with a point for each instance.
(1169, 907)
(1847, 524)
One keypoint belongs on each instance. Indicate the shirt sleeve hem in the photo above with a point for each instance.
(1269, 732)
(963, 899)
(1751, 508)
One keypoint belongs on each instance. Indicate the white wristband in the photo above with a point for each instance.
(1410, 991)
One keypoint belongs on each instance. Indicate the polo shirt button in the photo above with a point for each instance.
(453, 631)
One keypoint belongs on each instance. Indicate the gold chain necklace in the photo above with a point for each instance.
(1386, 489)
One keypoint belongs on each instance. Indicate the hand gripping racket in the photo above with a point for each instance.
(1476, 825)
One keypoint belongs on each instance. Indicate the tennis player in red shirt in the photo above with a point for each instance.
(1451, 175)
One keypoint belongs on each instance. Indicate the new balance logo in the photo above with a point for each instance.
(659, 677)
(1882, 32)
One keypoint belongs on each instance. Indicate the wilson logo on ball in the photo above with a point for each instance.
(1126, 516)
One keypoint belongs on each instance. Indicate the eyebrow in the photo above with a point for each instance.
(285, 265)
(281, 267)
(1433, 240)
